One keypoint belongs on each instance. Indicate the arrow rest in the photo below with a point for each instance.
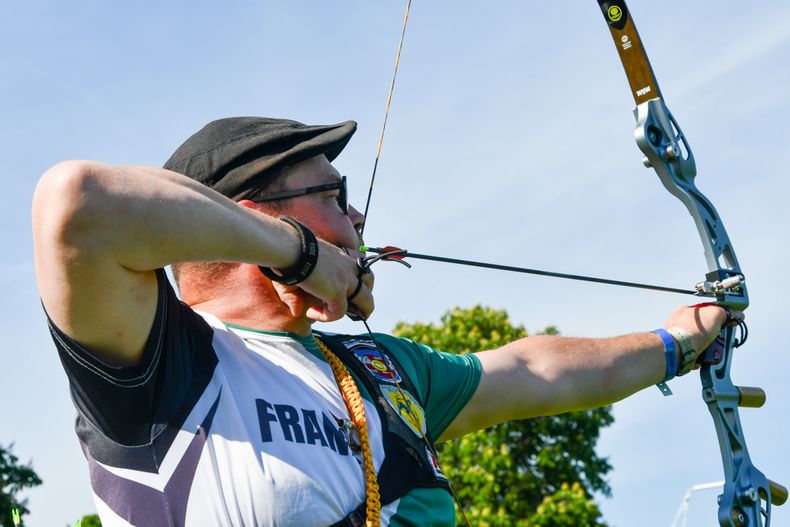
(712, 286)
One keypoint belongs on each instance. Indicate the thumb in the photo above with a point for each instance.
(294, 298)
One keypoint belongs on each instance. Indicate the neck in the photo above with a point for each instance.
(246, 299)
(257, 318)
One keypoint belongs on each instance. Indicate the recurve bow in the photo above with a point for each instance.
(748, 494)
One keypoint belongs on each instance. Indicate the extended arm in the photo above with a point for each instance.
(545, 375)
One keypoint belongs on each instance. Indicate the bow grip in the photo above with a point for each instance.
(714, 353)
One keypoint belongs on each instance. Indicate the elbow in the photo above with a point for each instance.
(572, 374)
(66, 202)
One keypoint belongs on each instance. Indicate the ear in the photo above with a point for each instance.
(263, 208)
(249, 204)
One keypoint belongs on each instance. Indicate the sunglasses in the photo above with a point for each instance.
(342, 197)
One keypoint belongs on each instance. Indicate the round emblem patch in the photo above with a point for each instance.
(376, 365)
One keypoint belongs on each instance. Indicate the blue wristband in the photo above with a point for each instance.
(670, 352)
(671, 358)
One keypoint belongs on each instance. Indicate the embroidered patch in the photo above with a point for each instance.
(434, 461)
(376, 363)
(407, 407)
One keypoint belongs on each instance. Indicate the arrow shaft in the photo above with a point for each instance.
(538, 272)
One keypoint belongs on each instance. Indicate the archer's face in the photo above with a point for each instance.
(320, 212)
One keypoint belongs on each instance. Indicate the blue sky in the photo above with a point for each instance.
(510, 140)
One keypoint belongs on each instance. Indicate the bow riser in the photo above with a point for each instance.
(744, 485)
(666, 150)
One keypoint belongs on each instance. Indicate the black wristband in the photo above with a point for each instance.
(307, 259)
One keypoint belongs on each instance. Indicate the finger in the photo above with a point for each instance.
(364, 280)
(723, 313)
(363, 304)
(353, 313)
(356, 314)
(357, 289)
(328, 311)
(369, 279)
(736, 317)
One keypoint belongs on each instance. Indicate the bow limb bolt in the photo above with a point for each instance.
(747, 496)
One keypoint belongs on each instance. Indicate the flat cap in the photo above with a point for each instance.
(237, 156)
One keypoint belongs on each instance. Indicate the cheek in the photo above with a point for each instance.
(328, 223)
(325, 227)
(341, 232)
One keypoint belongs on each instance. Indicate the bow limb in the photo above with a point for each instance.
(747, 496)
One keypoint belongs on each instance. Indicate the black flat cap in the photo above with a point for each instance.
(238, 155)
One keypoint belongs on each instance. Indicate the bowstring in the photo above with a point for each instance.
(416, 419)
(381, 353)
(386, 116)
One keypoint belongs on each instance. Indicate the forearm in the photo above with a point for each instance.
(548, 375)
(145, 218)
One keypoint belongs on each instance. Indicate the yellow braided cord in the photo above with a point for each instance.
(356, 409)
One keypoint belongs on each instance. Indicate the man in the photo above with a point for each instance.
(227, 409)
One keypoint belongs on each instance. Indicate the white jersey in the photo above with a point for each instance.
(227, 426)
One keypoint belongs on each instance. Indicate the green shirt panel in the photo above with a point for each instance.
(445, 382)
(425, 507)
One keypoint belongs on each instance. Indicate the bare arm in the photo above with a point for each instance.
(100, 232)
(546, 375)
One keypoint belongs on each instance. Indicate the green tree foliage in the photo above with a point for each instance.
(568, 507)
(14, 477)
(90, 520)
(518, 473)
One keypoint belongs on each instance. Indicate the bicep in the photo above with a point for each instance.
(511, 387)
(489, 404)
